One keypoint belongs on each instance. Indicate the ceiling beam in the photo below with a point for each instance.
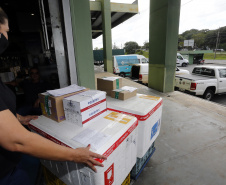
(115, 7)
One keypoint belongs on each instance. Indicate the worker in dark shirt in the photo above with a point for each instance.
(32, 87)
(15, 139)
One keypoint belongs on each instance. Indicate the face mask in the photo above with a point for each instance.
(3, 43)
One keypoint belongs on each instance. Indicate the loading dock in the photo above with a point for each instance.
(192, 144)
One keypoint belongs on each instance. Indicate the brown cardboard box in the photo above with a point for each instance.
(52, 107)
(109, 85)
(123, 94)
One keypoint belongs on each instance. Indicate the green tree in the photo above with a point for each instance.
(211, 38)
(131, 47)
(180, 42)
(180, 38)
(204, 38)
(146, 45)
(139, 52)
(222, 38)
(199, 39)
(188, 34)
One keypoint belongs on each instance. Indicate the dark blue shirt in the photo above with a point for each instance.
(8, 160)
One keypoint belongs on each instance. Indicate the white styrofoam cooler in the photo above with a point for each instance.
(84, 107)
(117, 137)
(148, 110)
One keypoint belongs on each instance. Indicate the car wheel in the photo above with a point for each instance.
(208, 95)
(122, 74)
(184, 65)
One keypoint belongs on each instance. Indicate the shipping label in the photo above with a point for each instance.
(121, 118)
(149, 97)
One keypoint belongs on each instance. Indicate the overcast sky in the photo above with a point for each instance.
(197, 14)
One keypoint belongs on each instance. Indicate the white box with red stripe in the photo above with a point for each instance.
(84, 107)
(120, 147)
(148, 110)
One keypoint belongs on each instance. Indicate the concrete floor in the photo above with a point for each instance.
(191, 147)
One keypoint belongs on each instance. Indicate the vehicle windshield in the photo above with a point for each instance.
(204, 71)
(179, 57)
(144, 60)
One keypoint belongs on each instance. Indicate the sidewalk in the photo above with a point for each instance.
(221, 62)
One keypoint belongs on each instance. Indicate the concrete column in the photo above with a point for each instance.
(82, 33)
(107, 41)
(164, 26)
(191, 58)
(58, 42)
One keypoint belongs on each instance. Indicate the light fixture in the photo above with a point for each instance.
(32, 14)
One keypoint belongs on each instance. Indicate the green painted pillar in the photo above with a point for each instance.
(164, 26)
(107, 41)
(82, 34)
(191, 58)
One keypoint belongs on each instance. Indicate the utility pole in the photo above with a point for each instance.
(217, 43)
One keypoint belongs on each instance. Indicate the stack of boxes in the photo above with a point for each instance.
(147, 109)
(124, 131)
(88, 122)
(108, 84)
(52, 106)
(113, 87)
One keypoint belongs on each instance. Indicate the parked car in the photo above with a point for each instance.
(122, 64)
(139, 72)
(204, 81)
(221, 50)
(181, 61)
(181, 71)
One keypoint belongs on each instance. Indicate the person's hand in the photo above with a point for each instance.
(84, 155)
(26, 119)
(36, 104)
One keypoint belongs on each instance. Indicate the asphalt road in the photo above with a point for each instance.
(221, 99)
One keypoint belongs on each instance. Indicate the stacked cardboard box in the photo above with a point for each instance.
(124, 93)
(84, 107)
(108, 84)
(52, 107)
(113, 135)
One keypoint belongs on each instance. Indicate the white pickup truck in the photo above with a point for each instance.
(204, 81)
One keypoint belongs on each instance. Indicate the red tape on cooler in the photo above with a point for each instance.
(95, 104)
(47, 136)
